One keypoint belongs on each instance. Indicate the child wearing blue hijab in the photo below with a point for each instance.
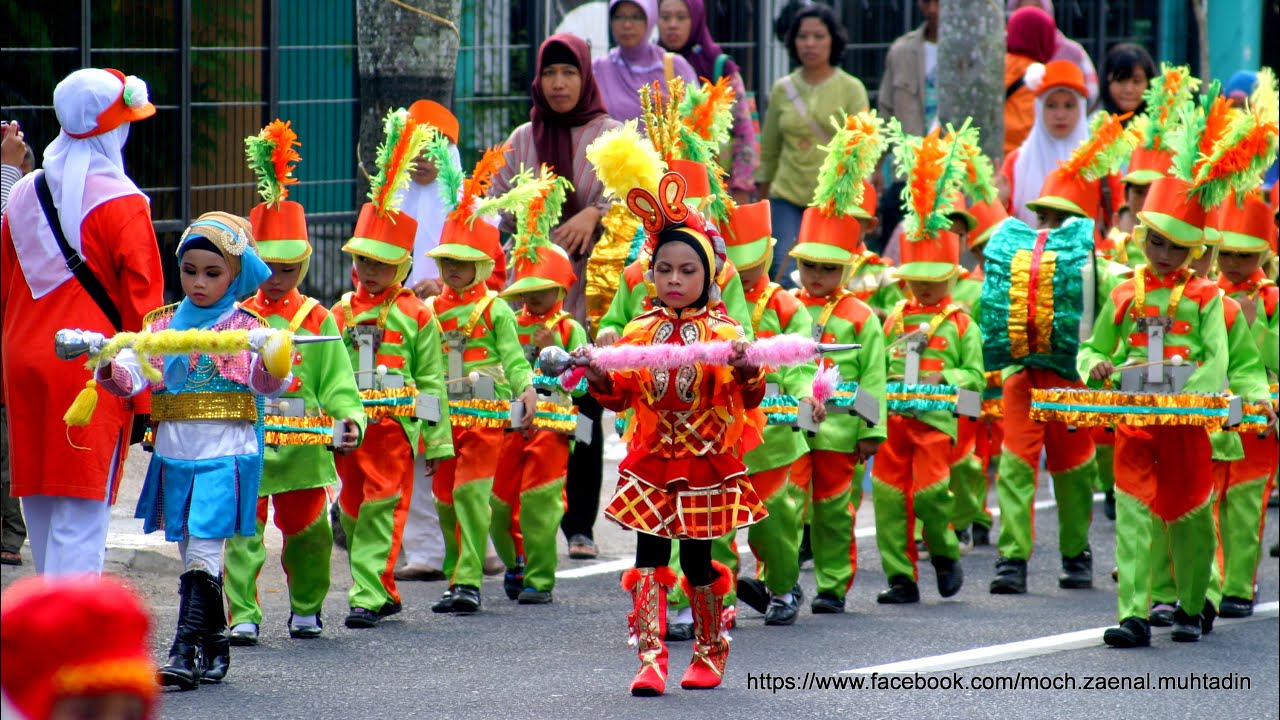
(202, 484)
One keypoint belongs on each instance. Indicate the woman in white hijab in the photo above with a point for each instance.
(65, 476)
(1059, 128)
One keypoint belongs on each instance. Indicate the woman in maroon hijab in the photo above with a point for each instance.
(1032, 38)
(568, 114)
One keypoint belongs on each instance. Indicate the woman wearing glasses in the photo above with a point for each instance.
(636, 61)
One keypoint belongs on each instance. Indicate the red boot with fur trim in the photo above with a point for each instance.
(647, 624)
(710, 630)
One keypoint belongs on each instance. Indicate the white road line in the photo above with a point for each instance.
(613, 566)
(1025, 648)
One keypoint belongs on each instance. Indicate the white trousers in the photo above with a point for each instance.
(423, 540)
(202, 554)
(68, 535)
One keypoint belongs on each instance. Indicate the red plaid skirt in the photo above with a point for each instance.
(699, 497)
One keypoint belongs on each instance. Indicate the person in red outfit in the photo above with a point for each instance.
(67, 477)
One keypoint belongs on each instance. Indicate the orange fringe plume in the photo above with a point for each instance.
(1091, 160)
(395, 165)
(702, 117)
(280, 132)
(1216, 123)
(930, 162)
(477, 186)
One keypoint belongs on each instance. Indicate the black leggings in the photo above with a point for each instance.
(695, 557)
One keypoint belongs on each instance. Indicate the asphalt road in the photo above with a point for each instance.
(570, 659)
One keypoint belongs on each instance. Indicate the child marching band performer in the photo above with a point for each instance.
(1165, 298)
(486, 369)
(775, 539)
(529, 484)
(624, 160)
(1248, 240)
(294, 477)
(1034, 311)
(826, 251)
(912, 472)
(682, 478)
(383, 321)
(202, 483)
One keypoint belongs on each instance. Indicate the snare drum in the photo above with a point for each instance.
(914, 400)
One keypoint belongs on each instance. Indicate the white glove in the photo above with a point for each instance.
(259, 337)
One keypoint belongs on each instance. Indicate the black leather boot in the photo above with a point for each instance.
(216, 645)
(950, 575)
(181, 670)
(1011, 577)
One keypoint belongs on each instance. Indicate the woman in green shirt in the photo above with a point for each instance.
(798, 121)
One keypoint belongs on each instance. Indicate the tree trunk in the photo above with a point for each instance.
(403, 55)
(1201, 10)
(970, 71)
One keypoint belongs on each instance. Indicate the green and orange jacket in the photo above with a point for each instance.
(569, 335)
(634, 296)
(954, 349)
(775, 311)
(410, 347)
(322, 379)
(493, 343)
(845, 319)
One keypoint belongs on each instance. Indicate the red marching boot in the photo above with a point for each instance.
(710, 630)
(647, 624)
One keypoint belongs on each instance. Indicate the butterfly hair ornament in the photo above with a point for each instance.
(668, 211)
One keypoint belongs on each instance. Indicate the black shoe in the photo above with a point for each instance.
(466, 599)
(513, 582)
(1077, 572)
(390, 608)
(339, 533)
(950, 576)
(305, 632)
(1161, 614)
(679, 632)
(215, 648)
(981, 535)
(1235, 607)
(1275, 549)
(1011, 577)
(244, 638)
(1133, 632)
(181, 670)
(754, 593)
(902, 590)
(781, 612)
(1109, 504)
(827, 604)
(806, 547)
(530, 596)
(1207, 616)
(445, 603)
(362, 618)
(1186, 628)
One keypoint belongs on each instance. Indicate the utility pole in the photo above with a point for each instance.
(971, 50)
(407, 50)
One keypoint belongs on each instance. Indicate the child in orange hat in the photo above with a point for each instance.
(48, 670)
(528, 498)
(912, 472)
(295, 476)
(486, 369)
(386, 325)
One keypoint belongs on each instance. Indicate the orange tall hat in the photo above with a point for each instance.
(1074, 187)
(382, 231)
(73, 636)
(1165, 97)
(830, 231)
(749, 237)
(934, 170)
(535, 201)
(279, 224)
(465, 236)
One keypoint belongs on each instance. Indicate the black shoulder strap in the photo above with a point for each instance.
(1014, 87)
(75, 263)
